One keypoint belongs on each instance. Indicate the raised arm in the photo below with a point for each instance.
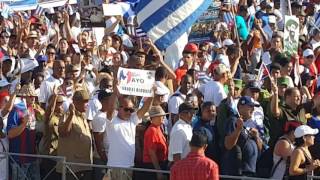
(231, 140)
(65, 127)
(153, 47)
(8, 107)
(274, 105)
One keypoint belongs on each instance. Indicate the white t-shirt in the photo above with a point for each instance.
(94, 106)
(180, 137)
(174, 102)
(213, 91)
(121, 138)
(164, 88)
(99, 124)
(46, 88)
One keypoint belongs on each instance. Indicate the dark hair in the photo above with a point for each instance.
(282, 59)
(199, 139)
(299, 142)
(206, 105)
(191, 72)
(289, 91)
(106, 69)
(102, 95)
(275, 66)
(161, 72)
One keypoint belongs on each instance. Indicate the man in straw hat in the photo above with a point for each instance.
(22, 134)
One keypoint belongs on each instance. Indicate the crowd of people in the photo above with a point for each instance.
(231, 105)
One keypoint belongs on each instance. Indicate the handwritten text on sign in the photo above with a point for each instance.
(136, 82)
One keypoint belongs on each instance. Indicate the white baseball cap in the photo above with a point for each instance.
(227, 42)
(304, 130)
(308, 52)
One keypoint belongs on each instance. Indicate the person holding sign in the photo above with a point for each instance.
(121, 130)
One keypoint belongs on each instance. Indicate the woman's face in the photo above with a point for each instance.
(157, 121)
(63, 45)
(309, 140)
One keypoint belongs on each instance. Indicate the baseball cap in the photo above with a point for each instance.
(283, 81)
(308, 52)
(305, 130)
(81, 95)
(227, 42)
(247, 100)
(156, 111)
(42, 58)
(185, 107)
(253, 85)
(191, 47)
(139, 51)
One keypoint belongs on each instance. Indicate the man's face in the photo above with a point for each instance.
(126, 108)
(81, 105)
(59, 69)
(245, 111)
(292, 29)
(186, 83)
(140, 61)
(209, 113)
(51, 54)
(32, 42)
(294, 99)
(275, 73)
(188, 59)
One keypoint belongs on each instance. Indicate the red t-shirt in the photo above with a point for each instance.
(154, 139)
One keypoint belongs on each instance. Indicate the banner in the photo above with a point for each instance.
(28, 64)
(291, 35)
(201, 29)
(91, 14)
(22, 5)
(136, 82)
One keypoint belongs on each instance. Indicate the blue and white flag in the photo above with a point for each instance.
(165, 21)
(39, 11)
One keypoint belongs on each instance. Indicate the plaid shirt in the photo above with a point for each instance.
(195, 166)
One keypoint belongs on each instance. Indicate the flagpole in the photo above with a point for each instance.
(289, 7)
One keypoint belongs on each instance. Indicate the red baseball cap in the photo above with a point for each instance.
(191, 47)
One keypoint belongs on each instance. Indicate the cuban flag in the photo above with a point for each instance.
(165, 21)
(39, 11)
(263, 73)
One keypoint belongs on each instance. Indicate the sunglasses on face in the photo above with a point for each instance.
(310, 57)
(131, 110)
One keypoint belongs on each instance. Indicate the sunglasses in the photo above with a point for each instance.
(4, 36)
(310, 57)
(131, 110)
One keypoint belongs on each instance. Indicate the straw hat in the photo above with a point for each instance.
(27, 90)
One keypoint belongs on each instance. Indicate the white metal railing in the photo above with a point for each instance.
(65, 167)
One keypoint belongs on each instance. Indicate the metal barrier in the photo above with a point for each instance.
(65, 167)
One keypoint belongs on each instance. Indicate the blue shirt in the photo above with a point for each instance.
(25, 143)
(249, 152)
(242, 27)
(314, 122)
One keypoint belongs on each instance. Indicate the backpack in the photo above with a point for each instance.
(265, 167)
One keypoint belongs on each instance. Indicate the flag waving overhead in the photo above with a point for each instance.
(165, 21)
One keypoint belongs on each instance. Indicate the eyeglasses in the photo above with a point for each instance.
(51, 53)
(4, 37)
(131, 110)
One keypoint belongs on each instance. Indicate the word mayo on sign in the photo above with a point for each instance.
(136, 82)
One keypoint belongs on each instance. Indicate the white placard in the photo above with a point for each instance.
(291, 34)
(115, 9)
(136, 82)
